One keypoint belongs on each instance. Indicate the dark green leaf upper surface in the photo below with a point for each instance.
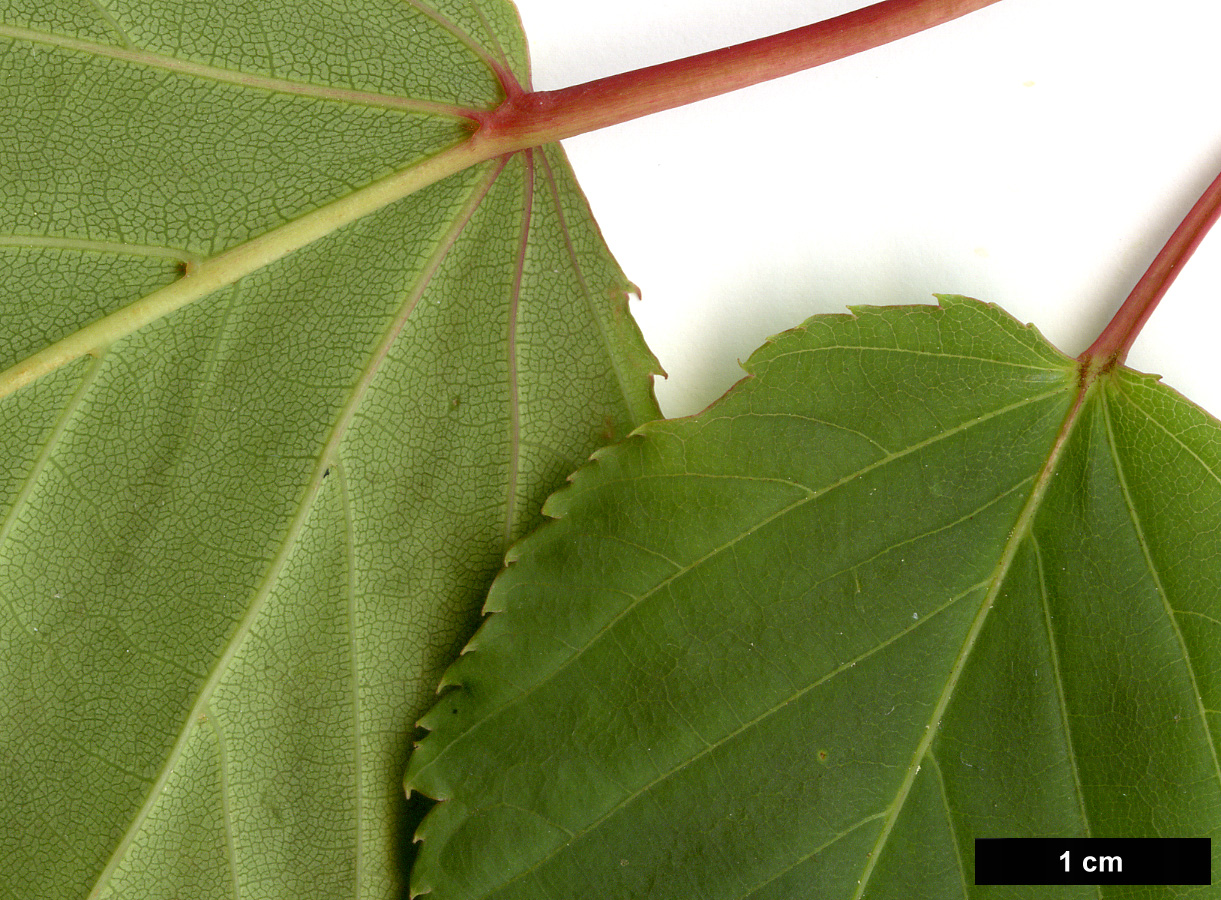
(898, 590)
(240, 541)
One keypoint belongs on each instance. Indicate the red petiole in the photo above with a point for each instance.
(528, 119)
(1112, 346)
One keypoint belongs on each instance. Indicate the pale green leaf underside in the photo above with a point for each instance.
(816, 640)
(239, 543)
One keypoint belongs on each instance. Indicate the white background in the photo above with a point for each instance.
(1035, 154)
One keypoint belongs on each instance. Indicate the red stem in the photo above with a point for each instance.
(529, 119)
(1112, 346)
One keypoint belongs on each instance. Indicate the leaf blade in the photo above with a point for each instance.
(896, 655)
(243, 539)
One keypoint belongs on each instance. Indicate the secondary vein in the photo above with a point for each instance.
(112, 23)
(349, 544)
(1130, 505)
(228, 267)
(42, 461)
(230, 76)
(511, 352)
(85, 245)
(710, 747)
(641, 411)
(1059, 680)
(713, 552)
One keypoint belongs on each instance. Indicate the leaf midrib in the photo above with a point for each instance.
(742, 729)
(326, 457)
(1020, 532)
(796, 695)
(228, 267)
